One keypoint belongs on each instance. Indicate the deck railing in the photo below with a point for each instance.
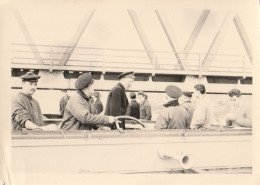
(58, 57)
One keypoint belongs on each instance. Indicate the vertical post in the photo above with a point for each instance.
(51, 59)
(199, 65)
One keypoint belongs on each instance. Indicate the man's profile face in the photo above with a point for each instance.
(29, 88)
(90, 89)
(128, 83)
(195, 94)
(235, 100)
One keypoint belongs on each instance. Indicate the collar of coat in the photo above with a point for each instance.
(81, 93)
(27, 96)
(172, 103)
(119, 84)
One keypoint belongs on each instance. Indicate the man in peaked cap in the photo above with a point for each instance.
(185, 101)
(117, 101)
(173, 116)
(80, 113)
(26, 111)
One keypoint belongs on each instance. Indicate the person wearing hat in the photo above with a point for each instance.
(26, 111)
(117, 101)
(133, 108)
(97, 103)
(203, 116)
(63, 101)
(173, 116)
(145, 107)
(185, 101)
(80, 113)
(240, 113)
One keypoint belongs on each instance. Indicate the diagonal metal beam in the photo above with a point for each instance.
(243, 36)
(168, 35)
(28, 36)
(195, 33)
(219, 37)
(74, 41)
(142, 35)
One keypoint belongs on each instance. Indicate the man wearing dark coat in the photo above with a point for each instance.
(117, 101)
(63, 101)
(173, 116)
(80, 113)
(133, 108)
(97, 103)
(26, 111)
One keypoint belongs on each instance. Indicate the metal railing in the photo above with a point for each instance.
(105, 59)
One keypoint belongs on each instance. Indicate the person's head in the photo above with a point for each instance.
(172, 93)
(199, 90)
(235, 96)
(64, 92)
(97, 94)
(86, 84)
(132, 95)
(141, 96)
(186, 96)
(127, 79)
(29, 83)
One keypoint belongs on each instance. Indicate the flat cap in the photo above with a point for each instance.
(84, 81)
(30, 76)
(173, 91)
(187, 93)
(129, 74)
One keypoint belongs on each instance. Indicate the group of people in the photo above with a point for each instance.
(81, 111)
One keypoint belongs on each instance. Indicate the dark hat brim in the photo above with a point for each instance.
(123, 75)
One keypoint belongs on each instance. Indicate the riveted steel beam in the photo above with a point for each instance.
(243, 36)
(195, 33)
(219, 37)
(28, 36)
(142, 36)
(167, 33)
(74, 41)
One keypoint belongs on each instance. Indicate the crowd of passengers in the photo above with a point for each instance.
(82, 111)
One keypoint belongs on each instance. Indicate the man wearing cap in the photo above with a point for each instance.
(26, 111)
(63, 101)
(80, 113)
(133, 108)
(203, 116)
(174, 116)
(185, 101)
(97, 103)
(145, 107)
(117, 101)
(240, 113)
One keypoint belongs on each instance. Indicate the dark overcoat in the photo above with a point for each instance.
(117, 101)
(98, 105)
(133, 109)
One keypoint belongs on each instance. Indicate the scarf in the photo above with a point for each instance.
(172, 103)
(81, 93)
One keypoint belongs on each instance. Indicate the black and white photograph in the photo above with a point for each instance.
(157, 92)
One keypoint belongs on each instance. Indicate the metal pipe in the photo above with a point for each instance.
(183, 157)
